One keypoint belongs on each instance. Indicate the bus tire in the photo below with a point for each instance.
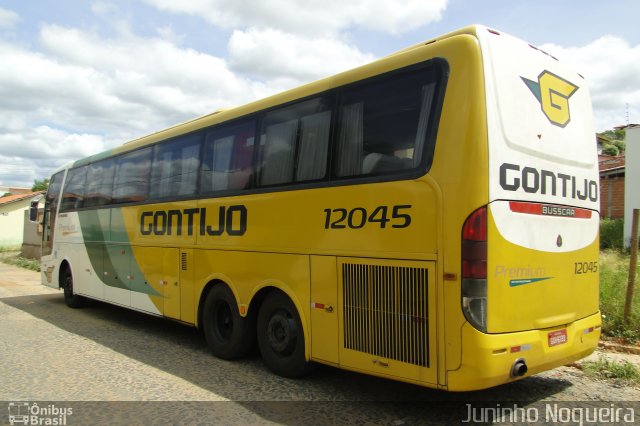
(281, 337)
(72, 300)
(229, 335)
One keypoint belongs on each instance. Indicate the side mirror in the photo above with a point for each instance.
(33, 209)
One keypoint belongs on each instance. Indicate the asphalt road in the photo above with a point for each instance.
(110, 365)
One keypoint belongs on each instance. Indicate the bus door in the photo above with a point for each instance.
(50, 212)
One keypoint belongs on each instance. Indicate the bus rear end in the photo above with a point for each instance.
(530, 256)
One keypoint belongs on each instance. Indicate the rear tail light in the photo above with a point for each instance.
(474, 269)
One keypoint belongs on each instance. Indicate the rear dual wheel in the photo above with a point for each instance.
(279, 331)
(281, 337)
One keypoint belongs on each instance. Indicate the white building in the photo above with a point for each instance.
(632, 178)
(12, 209)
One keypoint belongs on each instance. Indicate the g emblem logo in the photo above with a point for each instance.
(553, 93)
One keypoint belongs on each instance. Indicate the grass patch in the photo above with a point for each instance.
(603, 368)
(20, 261)
(4, 249)
(614, 270)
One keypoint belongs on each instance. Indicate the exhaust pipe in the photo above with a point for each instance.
(519, 368)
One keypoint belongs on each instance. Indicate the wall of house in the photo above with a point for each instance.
(612, 197)
(32, 236)
(632, 191)
(12, 223)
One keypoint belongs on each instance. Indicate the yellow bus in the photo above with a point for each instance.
(431, 217)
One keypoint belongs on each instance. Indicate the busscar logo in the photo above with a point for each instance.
(553, 93)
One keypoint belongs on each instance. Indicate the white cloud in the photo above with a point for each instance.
(167, 33)
(612, 69)
(36, 144)
(8, 18)
(57, 105)
(18, 171)
(83, 93)
(79, 92)
(150, 72)
(34, 153)
(103, 7)
(271, 54)
(312, 17)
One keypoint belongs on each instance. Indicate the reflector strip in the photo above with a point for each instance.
(549, 210)
(520, 348)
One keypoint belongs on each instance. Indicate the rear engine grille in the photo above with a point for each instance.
(385, 312)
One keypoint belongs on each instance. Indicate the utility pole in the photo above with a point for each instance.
(626, 113)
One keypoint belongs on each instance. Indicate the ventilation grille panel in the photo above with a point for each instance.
(183, 261)
(385, 312)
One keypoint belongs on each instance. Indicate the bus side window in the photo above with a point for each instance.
(314, 146)
(295, 142)
(99, 189)
(131, 183)
(383, 126)
(228, 158)
(174, 172)
(278, 153)
(74, 189)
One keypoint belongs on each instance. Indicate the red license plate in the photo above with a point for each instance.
(557, 337)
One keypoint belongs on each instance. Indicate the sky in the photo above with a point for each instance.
(80, 77)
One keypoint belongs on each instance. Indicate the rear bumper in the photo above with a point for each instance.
(487, 359)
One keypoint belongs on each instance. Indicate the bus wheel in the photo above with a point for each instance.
(228, 334)
(280, 336)
(72, 300)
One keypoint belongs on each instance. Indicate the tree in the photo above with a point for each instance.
(618, 134)
(613, 142)
(40, 185)
(621, 145)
